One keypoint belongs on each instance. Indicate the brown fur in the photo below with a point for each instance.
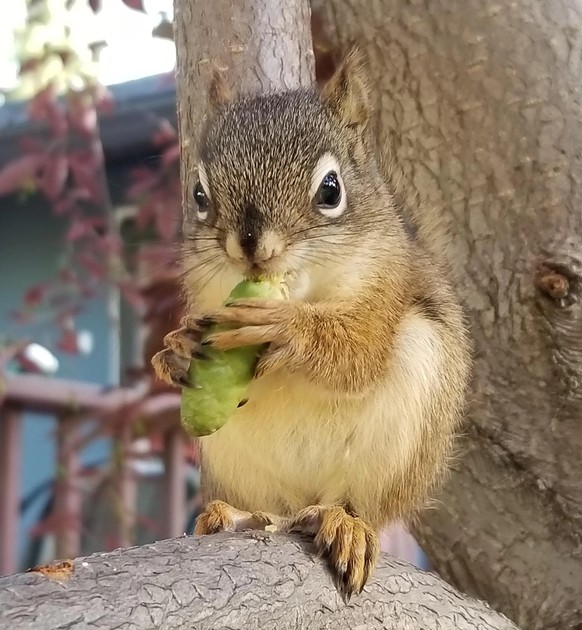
(350, 419)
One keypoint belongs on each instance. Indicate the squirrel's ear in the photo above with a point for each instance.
(219, 93)
(347, 93)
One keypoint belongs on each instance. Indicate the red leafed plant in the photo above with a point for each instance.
(67, 168)
(65, 165)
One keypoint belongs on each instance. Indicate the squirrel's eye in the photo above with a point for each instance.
(330, 193)
(201, 200)
(327, 188)
(329, 197)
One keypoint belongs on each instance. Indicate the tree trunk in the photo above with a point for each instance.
(236, 581)
(480, 102)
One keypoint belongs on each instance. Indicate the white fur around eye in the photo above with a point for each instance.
(202, 213)
(327, 163)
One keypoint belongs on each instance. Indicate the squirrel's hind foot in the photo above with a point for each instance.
(219, 516)
(350, 545)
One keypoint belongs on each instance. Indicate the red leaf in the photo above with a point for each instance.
(140, 172)
(63, 206)
(38, 104)
(80, 194)
(92, 265)
(166, 221)
(30, 144)
(104, 100)
(165, 134)
(83, 115)
(132, 294)
(14, 174)
(67, 275)
(68, 204)
(145, 213)
(55, 175)
(81, 227)
(157, 256)
(134, 4)
(44, 107)
(57, 121)
(110, 244)
(78, 229)
(141, 186)
(35, 295)
(171, 155)
(84, 166)
(68, 342)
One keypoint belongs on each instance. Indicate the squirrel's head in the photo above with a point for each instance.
(286, 180)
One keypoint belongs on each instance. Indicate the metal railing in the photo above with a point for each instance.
(72, 403)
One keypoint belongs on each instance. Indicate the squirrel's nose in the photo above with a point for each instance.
(248, 243)
(254, 248)
(269, 246)
(251, 227)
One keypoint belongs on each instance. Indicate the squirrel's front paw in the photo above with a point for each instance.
(182, 345)
(255, 322)
(350, 545)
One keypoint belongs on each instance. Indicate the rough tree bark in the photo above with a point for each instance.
(253, 581)
(480, 102)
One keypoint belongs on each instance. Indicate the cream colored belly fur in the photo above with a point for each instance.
(292, 446)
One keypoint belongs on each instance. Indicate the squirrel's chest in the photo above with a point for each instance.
(289, 447)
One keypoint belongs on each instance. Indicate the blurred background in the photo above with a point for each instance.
(92, 455)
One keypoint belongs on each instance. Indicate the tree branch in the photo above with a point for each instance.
(250, 580)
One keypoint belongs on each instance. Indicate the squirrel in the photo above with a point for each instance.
(354, 406)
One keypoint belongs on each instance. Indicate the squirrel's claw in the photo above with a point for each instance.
(350, 545)
(185, 342)
(171, 364)
(171, 368)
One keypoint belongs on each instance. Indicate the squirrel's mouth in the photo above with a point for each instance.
(296, 281)
(271, 267)
(257, 269)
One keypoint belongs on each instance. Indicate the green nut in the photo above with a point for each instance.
(223, 378)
